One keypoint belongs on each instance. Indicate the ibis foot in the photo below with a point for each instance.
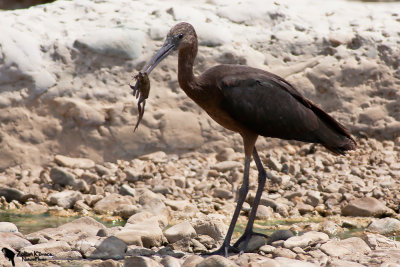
(224, 250)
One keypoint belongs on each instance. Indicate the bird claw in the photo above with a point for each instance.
(224, 250)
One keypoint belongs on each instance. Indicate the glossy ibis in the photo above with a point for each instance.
(251, 102)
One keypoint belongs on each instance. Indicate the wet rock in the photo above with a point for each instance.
(179, 231)
(12, 194)
(365, 207)
(281, 235)
(74, 163)
(226, 166)
(8, 227)
(216, 260)
(126, 210)
(385, 226)
(110, 203)
(34, 208)
(307, 239)
(65, 199)
(340, 248)
(254, 244)
(110, 248)
(62, 177)
(139, 261)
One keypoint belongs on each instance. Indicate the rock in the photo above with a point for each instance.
(340, 263)
(51, 247)
(138, 261)
(313, 198)
(179, 231)
(147, 233)
(126, 190)
(264, 213)
(70, 255)
(340, 248)
(114, 42)
(254, 244)
(126, 210)
(273, 164)
(146, 216)
(280, 235)
(169, 261)
(8, 227)
(376, 241)
(385, 226)
(222, 193)
(216, 260)
(180, 130)
(211, 227)
(226, 166)
(304, 208)
(226, 154)
(287, 262)
(267, 249)
(365, 207)
(111, 203)
(284, 252)
(192, 261)
(110, 248)
(34, 208)
(151, 202)
(62, 177)
(65, 199)
(81, 206)
(12, 240)
(156, 157)
(12, 194)
(74, 163)
(307, 239)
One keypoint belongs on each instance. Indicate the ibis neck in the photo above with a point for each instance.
(186, 77)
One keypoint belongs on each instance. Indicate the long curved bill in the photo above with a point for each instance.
(164, 51)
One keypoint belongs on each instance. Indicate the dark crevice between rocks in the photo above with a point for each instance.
(20, 4)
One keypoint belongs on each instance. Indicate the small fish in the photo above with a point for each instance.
(141, 90)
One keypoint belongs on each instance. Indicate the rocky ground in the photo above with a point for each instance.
(343, 210)
(67, 145)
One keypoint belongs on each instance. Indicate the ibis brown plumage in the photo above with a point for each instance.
(251, 102)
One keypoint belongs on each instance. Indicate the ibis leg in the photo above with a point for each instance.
(248, 232)
(244, 189)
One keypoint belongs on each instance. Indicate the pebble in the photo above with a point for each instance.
(139, 261)
(179, 231)
(65, 199)
(349, 246)
(110, 248)
(226, 166)
(385, 226)
(110, 203)
(62, 176)
(8, 227)
(216, 260)
(365, 207)
(307, 239)
(79, 163)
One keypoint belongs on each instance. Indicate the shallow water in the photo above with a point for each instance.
(29, 223)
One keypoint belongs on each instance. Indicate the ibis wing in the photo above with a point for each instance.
(267, 107)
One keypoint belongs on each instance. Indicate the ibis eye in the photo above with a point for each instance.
(180, 36)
